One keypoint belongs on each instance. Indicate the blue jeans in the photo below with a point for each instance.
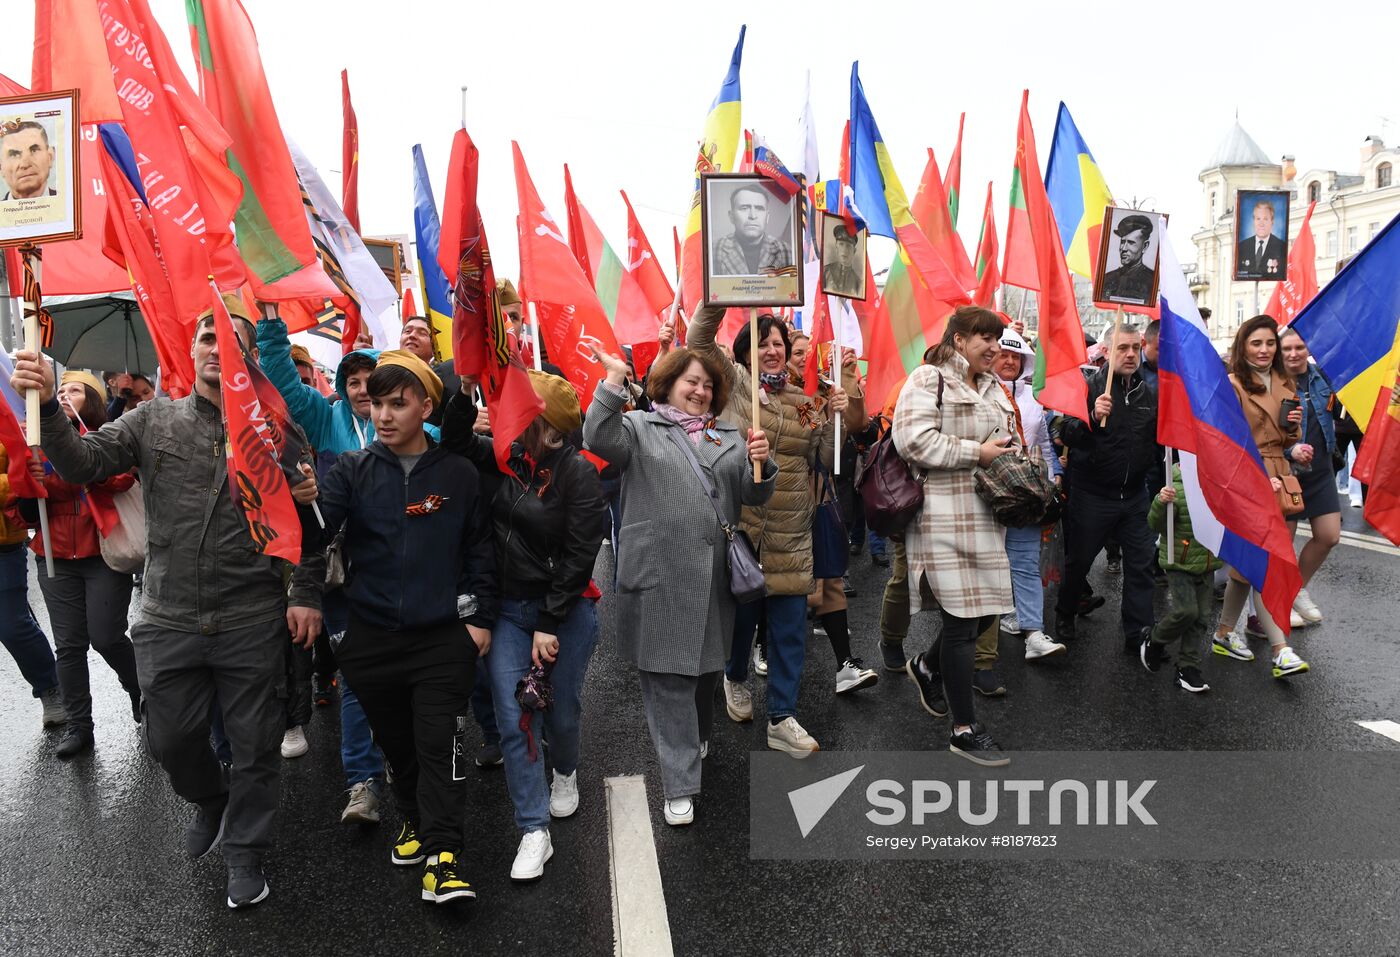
(786, 616)
(512, 641)
(19, 632)
(877, 544)
(1023, 551)
(359, 756)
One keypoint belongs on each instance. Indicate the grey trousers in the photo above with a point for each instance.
(679, 711)
(87, 604)
(181, 672)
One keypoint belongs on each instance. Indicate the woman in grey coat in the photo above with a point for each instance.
(675, 612)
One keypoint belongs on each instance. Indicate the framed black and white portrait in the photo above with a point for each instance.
(1126, 271)
(1261, 234)
(40, 196)
(751, 236)
(842, 258)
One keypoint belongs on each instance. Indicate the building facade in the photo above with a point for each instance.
(1351, 209)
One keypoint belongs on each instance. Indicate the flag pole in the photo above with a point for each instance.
(33, 267)
(535, 335)
(754, 385)
(464, 107)
(836, 366)
(1171, 516)
(1108, 381)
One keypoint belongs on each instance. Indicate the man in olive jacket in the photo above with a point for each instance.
(215, 614)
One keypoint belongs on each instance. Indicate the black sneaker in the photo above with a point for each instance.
(930, 687)
(855, 548)
(322, 689)
(880, 561)
(135, 705)
(490, 756)
(204, 833)
(978, 747)
(893, 655)
(1088, 604)
(1066, 629)
(1189, 678)
(987, 683)
(442, 881)
(1152, 654)
(246, 885)
(1115, 566)
(74, 742)
(407, 849)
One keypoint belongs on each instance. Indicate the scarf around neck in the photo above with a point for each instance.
(773, 381)
(692, 424)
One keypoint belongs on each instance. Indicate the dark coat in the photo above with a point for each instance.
(1131, 284)
(1113, 460)
(1253, 267)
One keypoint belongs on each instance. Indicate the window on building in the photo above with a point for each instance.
(1314, 191)
(1212, 205)
(1351, 239)
(1331, 243)
(1239, 312)
(1383, 176)
(1373, 229)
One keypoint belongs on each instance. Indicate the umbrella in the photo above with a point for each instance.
(106, 333)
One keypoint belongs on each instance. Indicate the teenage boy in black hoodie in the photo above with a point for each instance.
(421, 582)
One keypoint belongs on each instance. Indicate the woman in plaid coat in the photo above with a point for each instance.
(952, 417)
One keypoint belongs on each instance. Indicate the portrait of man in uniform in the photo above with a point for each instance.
(842, 258)
(1127, 266)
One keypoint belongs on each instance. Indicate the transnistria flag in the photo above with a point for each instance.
(437, 291)
(1295, 292)
(1234, 512)
(1350, 327)
(1078, 194)
(255, 471)
(570, 316)
(482, 346)
(1058, 382)
(1378, 464)
(717, 146)
(988, 276)
(952, 180)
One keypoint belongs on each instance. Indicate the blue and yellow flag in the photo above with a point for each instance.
(427, 231)
(1078, 195)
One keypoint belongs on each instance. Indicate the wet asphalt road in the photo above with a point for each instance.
(90, 858)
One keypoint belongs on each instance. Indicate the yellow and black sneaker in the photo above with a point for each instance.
(441, 883)
(407, 849)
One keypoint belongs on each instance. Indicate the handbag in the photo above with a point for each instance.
(335, 560)
(1290, 496)
(831, 556)
(1017, 486)
(124, 549)
(890, 492)
(746, 581)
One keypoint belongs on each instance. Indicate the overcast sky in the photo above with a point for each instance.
(619, 90)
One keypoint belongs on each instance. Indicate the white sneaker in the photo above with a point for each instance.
(294, 743)
(760, 663)
(1305, 606)
(535, 849)
(1011, 624)
(787, 735)
(737, 701)
(1232, 645)
(563, 795)
(363, 806)
(1041, 645)
(1287, 663)
(853, 676)
(679, 811)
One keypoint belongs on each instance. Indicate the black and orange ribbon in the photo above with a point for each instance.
(33, 298)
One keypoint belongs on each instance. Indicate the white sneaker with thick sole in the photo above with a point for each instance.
(1232, 645)
(535, 849)
(1011, 624)
(563, 795)
(294, 743)
(363, 806)
(738, 702)
(1296, 620)
(1287, 663)
(1041, 645)
(679, 811)
(787, 735)
(853, 676)
(1305, 606)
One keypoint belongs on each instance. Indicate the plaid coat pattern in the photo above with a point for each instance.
(774, 257)
(954, 541)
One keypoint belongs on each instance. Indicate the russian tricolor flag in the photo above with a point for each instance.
(1234, 511)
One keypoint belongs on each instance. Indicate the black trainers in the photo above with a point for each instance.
(203, 834)
(978, 747)
(1189, 679)
(74, 742)
(987, 683)
(246, 885)
(1089, 603)
(407, 849)
(880, 561)
(930, 687)
(322, 689)
(1151, 653)
(490, 756)
(893, 655)
(442, 882)
(1065, 628)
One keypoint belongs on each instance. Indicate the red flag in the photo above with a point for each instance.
(578, 235)
(642, 263)
(256, 480)
(570, 316)
(410, 308)
(70, 53)
(952, 182)
(1295, 292)
(12, 441)
(930, 209)
(1378, 465)
(822, 335)
(274, 238)
(988, 276)
(1059, 384)
(481, 346)
(676, 238)
(349, 156)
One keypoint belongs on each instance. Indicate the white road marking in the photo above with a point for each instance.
(1387, 729)
(1370, 543)
(640, 923)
